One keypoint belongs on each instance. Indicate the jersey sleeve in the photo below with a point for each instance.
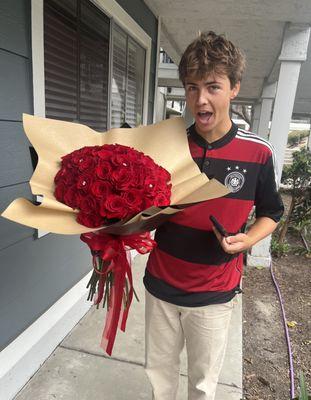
(268, 201)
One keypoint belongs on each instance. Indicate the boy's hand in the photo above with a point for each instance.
(262, 227)
(234, 244)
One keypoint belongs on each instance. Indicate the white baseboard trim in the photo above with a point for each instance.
(24, 356)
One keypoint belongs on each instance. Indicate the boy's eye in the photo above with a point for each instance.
(191, 88)
(214, 87)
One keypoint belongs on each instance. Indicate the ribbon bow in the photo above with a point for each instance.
(112, 272)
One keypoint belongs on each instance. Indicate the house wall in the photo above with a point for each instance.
(35, 273)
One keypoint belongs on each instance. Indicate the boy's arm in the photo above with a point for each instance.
(269, 210)
(262, 227)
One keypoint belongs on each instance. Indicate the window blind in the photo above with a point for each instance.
(76, 58)
(128, 75)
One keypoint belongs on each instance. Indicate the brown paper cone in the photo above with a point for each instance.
(165, 142)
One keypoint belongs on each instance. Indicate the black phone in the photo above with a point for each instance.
(218, 226)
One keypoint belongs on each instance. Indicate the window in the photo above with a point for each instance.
(76, 61)
(127, 80)
(76, 66)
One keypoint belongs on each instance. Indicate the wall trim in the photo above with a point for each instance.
(156, 81)
(24, 356)
(37, 45)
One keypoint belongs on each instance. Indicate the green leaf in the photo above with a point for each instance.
(303, 388)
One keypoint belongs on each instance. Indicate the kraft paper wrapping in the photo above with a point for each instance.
(165, 142)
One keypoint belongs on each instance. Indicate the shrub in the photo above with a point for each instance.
(295, 137)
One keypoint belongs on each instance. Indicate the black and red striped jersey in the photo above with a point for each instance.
(189, 267)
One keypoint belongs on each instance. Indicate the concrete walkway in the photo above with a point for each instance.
(79, 369)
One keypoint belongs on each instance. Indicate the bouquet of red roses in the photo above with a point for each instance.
(107, 184)
(104, 192)
(110, 182)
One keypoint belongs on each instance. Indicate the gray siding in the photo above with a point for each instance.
(33, 273)
(10, 232)
(15, 162)
(139, 11)
(14, 26)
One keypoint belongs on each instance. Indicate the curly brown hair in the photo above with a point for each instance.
(212, 53)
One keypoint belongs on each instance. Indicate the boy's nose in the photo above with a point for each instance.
(202, 98)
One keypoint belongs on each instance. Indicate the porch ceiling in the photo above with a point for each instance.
(257, 26)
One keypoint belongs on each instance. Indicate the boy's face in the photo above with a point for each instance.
(208, 100)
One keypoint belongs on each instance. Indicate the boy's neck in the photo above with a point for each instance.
(217, 133)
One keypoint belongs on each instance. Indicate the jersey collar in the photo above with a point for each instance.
(200, 141)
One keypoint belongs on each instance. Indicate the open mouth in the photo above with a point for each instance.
(204, 116)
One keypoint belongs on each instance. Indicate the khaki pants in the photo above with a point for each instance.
(205, 330)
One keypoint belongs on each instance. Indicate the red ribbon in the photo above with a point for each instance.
(112, 250)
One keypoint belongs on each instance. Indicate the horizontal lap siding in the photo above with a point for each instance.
(34, 273)
(15, 161)
(10, 232)
(15, 83)
(14, 26)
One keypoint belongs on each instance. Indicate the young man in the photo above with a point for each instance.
(194, 273)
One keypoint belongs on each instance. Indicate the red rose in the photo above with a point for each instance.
(122, 178)
(66, 175)
(137, 179)
(86, 163)
(105, 154)
(88, 204)
(134, 199)
(116, 207)
(60, 175)
(163, 174)
(103, 169)
(161, 199)
(150, 183)
(101, 189)
(72, 197)
(60, 191)
(84, 182)
(118, 159)
(89, 220)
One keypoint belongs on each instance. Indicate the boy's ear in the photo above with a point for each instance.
(235, 90)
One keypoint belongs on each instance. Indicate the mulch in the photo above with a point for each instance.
(266, 365)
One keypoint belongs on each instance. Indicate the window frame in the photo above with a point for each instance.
(117, 15)
(114, 25)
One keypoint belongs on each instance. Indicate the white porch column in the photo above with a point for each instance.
(294, 52)
(309, 138)
(157, 101)
(256, 117)
(268, 95)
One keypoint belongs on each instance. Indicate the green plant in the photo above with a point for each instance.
(295, 137)
(298, 177)
(279, 249)
(303, 395)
